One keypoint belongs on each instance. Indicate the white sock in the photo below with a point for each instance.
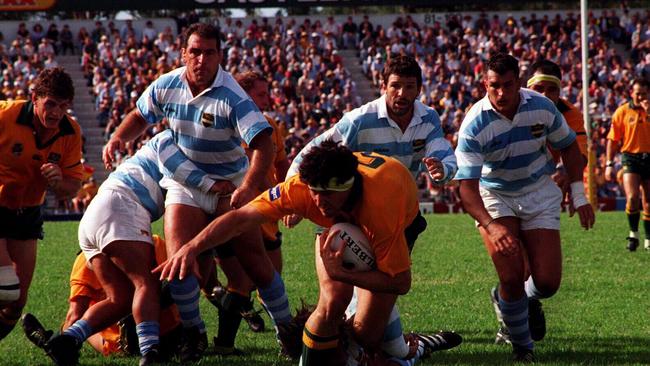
(634, 234)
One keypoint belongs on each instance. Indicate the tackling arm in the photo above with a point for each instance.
(219, 231)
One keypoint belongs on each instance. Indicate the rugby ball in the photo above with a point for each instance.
(357, 255)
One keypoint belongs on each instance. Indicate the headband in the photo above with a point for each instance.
(543, 77)
(332, 185)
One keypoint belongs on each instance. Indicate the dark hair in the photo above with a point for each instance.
(547, 67)
(248, 78)
(54, 82)
(203, 30)
(640, 82)
(403, 66)
(501, 63)
(327, 161)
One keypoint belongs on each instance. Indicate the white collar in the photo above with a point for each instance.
(217, 82)
(419, 111)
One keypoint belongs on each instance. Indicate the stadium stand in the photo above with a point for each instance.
(313, 66)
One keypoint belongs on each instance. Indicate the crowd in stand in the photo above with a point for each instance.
(452, 55)
(311, 89)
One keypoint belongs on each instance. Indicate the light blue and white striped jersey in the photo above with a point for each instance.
(507, 156)
(208, 128)
(368, 128)
(141, 173)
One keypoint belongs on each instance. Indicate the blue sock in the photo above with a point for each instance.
(186, 297)
(515, 315)
(275, 300)
(393, 342)
(148, 335)
(80, 330)
(411, 361)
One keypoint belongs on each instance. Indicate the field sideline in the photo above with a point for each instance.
(600, 315)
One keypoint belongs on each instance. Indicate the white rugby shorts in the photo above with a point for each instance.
(539, 209)
(113, 215)
(179, 194)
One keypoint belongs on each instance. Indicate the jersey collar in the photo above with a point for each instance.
(217, 82)
(419, 111)
(26, 118)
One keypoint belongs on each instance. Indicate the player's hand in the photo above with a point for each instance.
(505, 243)
(587, 216)
(562, 180)
(292, 220)
(609, 174)
(242, 196)
(645, 104)
(435, 168)
(108, 154)
(178, 265)
(52, 174)
(332, 259)
(223, 187)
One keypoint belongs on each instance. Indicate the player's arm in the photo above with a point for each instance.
(216, 233)
(440, 160)
(502, 239)
(373, 280)
(613, 147)
(262, 152)
(574, 165)
(131, 127)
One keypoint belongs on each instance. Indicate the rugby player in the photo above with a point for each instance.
(630, 134)
(234, 300)
(119, 338)
(336, 185)
(505, 185)
(546, 79)
(396, 124)
(209, 115)
(40, 149)
(118, 247)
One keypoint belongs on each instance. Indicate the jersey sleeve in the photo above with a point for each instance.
(438, 147)
(284, 199)
(148, 104)
(469, 155)
(559, 133)
(616, 130)
(247, 119)
(70, 164)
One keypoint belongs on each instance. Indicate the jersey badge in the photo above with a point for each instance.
(537, 130)
(419, 144)
(207, 119)
(274, 193)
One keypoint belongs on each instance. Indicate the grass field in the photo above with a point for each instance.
(599, 316)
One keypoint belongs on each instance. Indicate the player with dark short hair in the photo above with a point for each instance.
(336, 185)
(40, 149)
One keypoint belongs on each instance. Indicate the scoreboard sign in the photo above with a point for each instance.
(26, 5)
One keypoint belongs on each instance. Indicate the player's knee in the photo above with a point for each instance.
(367, 335)
(547, 290)
(9, 285)
(330, 312)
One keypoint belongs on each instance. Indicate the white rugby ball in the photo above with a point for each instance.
(358, 255)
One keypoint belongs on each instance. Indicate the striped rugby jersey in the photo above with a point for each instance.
(507, 156)
(368, 128)
(141, 173)
(208, 128)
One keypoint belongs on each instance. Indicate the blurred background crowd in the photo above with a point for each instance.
(310, 87)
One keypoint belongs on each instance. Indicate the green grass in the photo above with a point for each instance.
(599, 316)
